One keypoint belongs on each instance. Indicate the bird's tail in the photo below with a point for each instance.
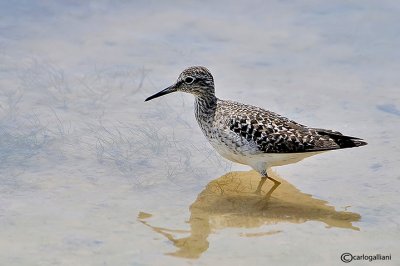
(359, 142)
(342, 140)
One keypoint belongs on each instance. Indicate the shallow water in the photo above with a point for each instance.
(92, 175)
(230, 202)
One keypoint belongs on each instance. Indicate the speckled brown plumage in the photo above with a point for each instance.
(251, 135)
(274, 133)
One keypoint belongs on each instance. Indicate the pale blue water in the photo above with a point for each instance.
(82, 156)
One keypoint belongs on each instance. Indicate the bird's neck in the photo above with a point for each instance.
(206, 103)
(205, 107)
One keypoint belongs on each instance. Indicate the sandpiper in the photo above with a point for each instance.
(250, 135)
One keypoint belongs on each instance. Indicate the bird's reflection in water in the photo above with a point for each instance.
(230, 201)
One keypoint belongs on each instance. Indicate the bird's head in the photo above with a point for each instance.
(196, 80)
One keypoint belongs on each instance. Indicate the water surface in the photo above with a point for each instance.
(92, 175)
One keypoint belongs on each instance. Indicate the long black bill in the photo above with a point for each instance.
(161, 93)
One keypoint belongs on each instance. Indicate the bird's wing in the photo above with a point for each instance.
(273, 133)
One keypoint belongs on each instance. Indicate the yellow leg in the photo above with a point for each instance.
(275, 186)
(264, 178)
(260, 184)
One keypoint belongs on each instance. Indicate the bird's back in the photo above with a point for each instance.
(260, 131)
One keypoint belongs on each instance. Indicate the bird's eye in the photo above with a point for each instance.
(189, 80)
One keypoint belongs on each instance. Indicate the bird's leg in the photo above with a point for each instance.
(264, 201)
(260, 184)
(275, 186)
(264, 177)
